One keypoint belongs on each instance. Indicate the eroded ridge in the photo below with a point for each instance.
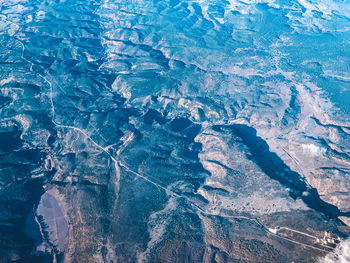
(169, 130)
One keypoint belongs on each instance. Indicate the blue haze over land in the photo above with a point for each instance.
(174, 131)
